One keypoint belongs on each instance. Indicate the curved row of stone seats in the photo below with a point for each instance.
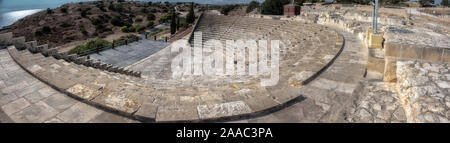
(88, 84)
(164, 101)
(292, 35)
(32, 46)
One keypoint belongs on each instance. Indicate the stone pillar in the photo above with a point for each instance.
(376, 40)
(390, 69)
(19, 43)
(5, 38)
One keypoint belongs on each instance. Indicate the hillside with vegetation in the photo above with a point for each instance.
(87, 20)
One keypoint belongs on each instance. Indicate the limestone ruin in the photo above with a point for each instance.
(330, 71)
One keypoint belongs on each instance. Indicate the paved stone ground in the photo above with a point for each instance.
(328, 97)
(23, 98)
(424, 90)
(377, 102)
(126, 55)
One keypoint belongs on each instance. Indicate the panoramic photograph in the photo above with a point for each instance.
(224, 61)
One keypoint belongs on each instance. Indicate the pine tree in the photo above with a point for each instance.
(178, 23)
(445, 3)
(190, 18)
(173, 24)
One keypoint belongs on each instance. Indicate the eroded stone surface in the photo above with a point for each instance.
(213, 111)
(377, 102)
(83, 91)
(424, 91)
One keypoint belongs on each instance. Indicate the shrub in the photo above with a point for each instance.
(46, 30)
(49, 11)
(64, 10)
(124, 29)
(128, 38)
(91, 45)
(165, 18)
(131, 29)
(138, 20)
(227, 8)
(190, 18)
(117, 21)
(65, 24)
(445, 3)
(273, 7)
(84, 32)
(151, 17)
(38, 33)
(150, 24)
(139, 28)
(83, 13)
(251, 6)
(144, 10)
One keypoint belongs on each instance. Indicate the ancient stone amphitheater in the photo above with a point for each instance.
(323, 71)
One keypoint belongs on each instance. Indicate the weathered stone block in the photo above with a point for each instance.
(43, 49)
(72, 57)
(392, 49)
(174, 113)
(432, 54)
(390, 69)
(95, 64)
(19, 42)
(5, 38)
(52, 52)
(147, 111)
(63, 55)
(223, 110)
(83, 92)
(375, 64)
(123, 102)
(31, 45)
(376, 40)
(80, 60)
(412, 52)
(58, 81)
(446, 55)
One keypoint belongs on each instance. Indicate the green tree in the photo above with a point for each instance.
(252, 5)
(64, 10)
(190, 18)
(49, 11)
(274, 7)
(425, 3)
(173, 24)
(178, 23)
(445, 3)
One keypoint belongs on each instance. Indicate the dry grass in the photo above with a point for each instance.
(437, 11)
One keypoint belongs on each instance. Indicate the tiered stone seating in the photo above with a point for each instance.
(32, 46)
(160, 98)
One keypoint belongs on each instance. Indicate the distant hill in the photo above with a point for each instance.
(80, 21)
